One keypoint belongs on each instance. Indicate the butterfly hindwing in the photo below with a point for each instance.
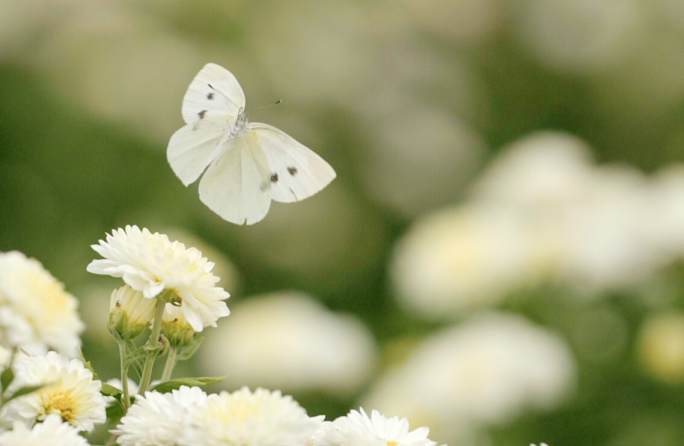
(236, 186)
(193, 147)
(296, 172)
(214, 91)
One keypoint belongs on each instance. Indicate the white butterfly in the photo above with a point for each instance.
(248, 163)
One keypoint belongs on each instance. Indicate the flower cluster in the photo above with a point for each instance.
(541, 212)
(54, 401)
(188, 417)
(151, 263)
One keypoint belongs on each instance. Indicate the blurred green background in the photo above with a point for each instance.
(410, 101)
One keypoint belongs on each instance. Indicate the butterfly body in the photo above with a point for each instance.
(240, 126)
(247, 164)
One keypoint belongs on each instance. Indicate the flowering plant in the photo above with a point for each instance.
(170, 290)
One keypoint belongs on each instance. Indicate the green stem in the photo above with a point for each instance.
(153, 345)
(170, 364)
(124, 375)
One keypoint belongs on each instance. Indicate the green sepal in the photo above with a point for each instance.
(186, 352)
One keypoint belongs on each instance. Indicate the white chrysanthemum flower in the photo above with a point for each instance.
(358, 429)
(52, 432)
(489, 370)
(540, 444)
(151, 263)
(290, 341)
(159, 419)
(262, 418)
(461, 258)
(70, 391)
(36, 313)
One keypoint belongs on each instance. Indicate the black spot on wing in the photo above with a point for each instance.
(263, 187)
(274, 177)
(292, 170)
(210, 96)
(202, 113)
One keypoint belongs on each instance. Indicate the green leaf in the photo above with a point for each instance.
(6, 378)
(188, 351)
(24, 391)
(175, 384)
(108, 390)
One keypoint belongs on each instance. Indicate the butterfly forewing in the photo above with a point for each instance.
(236, 186)
(296, 172)
(193, 147)
(214, 91)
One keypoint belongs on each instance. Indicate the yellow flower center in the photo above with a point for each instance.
(392, 443)
(63, 405)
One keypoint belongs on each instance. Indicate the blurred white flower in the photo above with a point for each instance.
(151, 263)
(608, 243)
(159, 419)
(70, 391)
(250, 419)
(543, 169)
(52, 432)
(36, 313)
(580, 36)
(661, 347)
(460, 258)
(488, 371)
(358, 429)
(292, 342)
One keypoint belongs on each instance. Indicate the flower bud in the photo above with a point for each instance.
(176, 328)
(129, 313)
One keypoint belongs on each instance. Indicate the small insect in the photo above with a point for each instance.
(247, 164)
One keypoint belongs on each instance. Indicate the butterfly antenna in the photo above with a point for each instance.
(227, 98)
(279, 101)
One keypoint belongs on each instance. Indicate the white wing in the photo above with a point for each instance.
(236, 186)
(296, 172)
(214, 91)
(194, 146)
